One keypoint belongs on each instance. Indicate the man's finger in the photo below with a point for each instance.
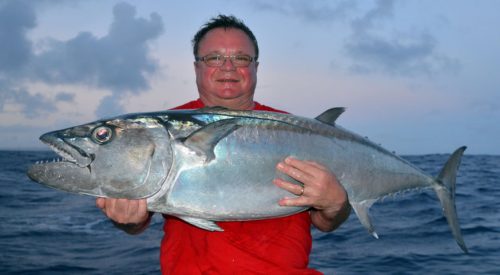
(100, 203)
(298, 201)
(293, 188)
(294, 172)
(143, 206)
(311, 167)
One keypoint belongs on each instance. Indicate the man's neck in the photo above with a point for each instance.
(235, 104)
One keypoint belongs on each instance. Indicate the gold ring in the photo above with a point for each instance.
(301, 191)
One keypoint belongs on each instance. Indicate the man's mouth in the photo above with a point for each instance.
(228, 80)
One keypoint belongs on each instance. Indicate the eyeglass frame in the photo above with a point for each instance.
(230, 57)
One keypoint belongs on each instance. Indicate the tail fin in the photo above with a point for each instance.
(446, 193)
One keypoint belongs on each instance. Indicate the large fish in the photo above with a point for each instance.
(215, 164)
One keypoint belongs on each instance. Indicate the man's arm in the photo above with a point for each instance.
(130, 216)
(321, 190)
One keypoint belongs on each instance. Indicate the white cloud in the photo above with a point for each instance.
(118, 61)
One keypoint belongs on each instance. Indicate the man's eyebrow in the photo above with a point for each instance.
(219, 52)
(211, 52)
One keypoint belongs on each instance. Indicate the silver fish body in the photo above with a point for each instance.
(215, 164)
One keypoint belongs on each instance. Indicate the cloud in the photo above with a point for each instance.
(16, 51)
(405, 53)
(402, 55)
(66, 97)
(16, 19)
(109, 106)
(382, 10)
(31, 105)
(118, 61)
(310, 11)
(372, 46)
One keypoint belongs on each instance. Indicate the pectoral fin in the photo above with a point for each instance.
(203, 140)
(201, 223)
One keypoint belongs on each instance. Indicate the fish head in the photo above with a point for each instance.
(125, 157)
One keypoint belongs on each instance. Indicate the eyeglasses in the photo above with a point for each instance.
(217, 60)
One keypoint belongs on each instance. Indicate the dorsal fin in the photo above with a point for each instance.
(329, 116)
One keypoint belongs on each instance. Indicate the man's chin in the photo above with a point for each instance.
(230, 93)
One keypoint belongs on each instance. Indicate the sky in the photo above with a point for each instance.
(417, 77)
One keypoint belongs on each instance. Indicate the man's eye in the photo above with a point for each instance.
(242, 58)
(212, 58)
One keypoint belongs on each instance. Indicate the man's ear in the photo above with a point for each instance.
(196, 66)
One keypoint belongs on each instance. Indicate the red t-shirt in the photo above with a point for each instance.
(273, 246)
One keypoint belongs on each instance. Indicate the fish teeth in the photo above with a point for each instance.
(55, 160)
(67, 156)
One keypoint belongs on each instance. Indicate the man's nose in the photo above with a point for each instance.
(227, 64)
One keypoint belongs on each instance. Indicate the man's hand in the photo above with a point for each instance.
(320, 190)
(132, 216)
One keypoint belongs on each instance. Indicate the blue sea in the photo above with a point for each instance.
(44, 231)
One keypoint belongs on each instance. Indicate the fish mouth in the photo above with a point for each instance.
(70, 173)
(68, 152)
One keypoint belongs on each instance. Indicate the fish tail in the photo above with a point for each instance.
(445, 190)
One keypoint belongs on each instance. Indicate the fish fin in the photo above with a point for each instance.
(445, 190)
(330, 116)
(203, 140)
(361, 210)
(202, 223)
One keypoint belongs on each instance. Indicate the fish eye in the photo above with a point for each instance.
(102, 134)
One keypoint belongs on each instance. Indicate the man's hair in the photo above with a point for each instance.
(226, 22)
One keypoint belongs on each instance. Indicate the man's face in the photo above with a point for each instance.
(227, 85)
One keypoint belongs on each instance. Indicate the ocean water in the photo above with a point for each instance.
(44, 231)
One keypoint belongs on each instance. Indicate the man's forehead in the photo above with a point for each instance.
(226, 37)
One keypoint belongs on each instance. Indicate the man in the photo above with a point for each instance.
(226, 54)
